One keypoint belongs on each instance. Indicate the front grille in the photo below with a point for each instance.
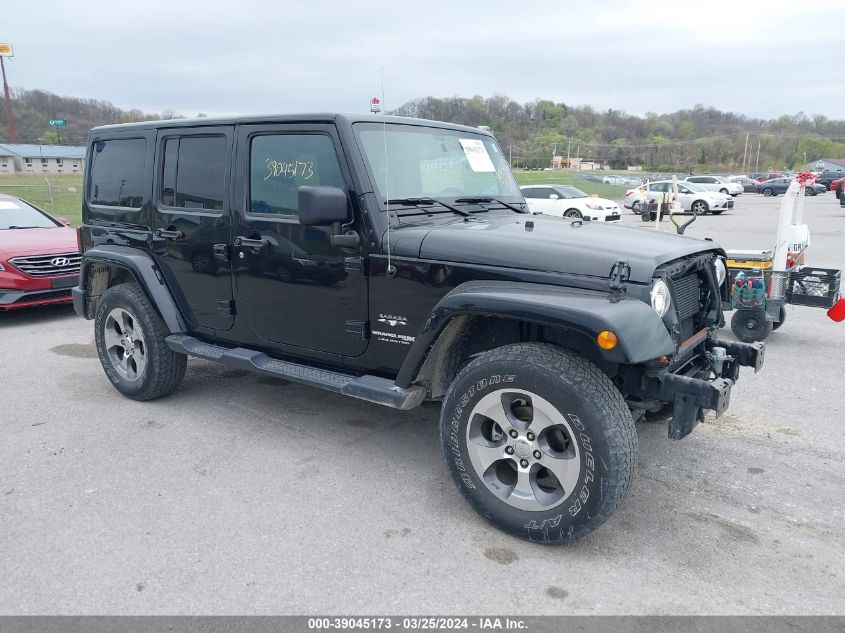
(686, 297)
(48, 265)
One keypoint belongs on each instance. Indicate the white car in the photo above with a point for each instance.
(691, 196)
(717, 183)
(566, 201)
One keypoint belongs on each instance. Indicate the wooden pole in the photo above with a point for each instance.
(10, 116)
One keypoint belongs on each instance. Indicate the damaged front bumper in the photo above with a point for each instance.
(692, 395)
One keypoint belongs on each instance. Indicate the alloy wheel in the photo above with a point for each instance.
(124, 344)
(523, 449)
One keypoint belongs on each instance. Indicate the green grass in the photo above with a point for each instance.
(66, 199)
(67, 190)
(613, 192)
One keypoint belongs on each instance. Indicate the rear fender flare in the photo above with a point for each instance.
(146, 274)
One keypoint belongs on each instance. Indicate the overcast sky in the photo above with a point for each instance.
(759, 58)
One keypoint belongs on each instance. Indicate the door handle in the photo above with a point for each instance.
(245, 242)
(169, 235)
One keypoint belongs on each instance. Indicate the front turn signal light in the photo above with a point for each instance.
(606, 339)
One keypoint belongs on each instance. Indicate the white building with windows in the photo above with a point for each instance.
(23, 159)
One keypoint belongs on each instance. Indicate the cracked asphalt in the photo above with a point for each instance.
(250, 495)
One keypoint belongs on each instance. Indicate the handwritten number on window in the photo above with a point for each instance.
(289, 169)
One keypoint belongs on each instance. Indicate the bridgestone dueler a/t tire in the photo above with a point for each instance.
(164, 368)
(593, 407)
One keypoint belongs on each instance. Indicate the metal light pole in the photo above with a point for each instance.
(10, 116)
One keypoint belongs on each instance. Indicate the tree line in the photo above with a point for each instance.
(33, 110)
(696, 139)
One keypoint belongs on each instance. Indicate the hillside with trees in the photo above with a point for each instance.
(696, 139)
(33, 110)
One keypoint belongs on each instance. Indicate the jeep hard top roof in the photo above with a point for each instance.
(319, 117)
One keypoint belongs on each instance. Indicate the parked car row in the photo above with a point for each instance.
(776, 186)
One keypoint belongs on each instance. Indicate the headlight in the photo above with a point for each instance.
(661, 299)
(721, 271)
(306, 262)
(1, 268)
(594, 207)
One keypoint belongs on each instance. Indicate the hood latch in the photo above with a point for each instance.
(619, 274)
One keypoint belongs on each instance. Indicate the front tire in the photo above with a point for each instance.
(699, 207)
(750, 326)
(768, 192)
(539, 441)
(129, 336)
(572, 213)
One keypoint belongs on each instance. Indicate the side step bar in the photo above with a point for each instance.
(370, 388)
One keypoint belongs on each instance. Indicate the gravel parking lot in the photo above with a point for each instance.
(244, 494)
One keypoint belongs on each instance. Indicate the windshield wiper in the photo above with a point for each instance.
(423, 202)
(480, 199)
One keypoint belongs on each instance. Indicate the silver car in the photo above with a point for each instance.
(692, 197)
(717, 183)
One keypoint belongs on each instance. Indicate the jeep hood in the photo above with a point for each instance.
(544, 243)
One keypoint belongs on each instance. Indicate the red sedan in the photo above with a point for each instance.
(39, 256)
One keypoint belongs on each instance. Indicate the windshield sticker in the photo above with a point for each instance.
(476, 153)
(6, 204)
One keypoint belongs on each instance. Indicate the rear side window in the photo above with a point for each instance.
(194, 172)
(117, 172)
(281, 163)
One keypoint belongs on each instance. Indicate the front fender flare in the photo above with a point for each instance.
(146, 273)
(641, 333)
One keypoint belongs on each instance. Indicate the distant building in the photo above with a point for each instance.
(829, 164)
(41, 159)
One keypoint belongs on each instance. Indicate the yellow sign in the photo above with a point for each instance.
(6, 50)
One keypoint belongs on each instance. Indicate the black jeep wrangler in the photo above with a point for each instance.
(394, 260)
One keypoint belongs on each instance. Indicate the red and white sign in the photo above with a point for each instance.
(375, 105)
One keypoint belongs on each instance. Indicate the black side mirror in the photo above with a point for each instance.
(322, 206)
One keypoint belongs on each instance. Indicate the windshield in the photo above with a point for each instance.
(18, 214)
(430, 162)
(571, 192)
(691, 186)
(722, 179)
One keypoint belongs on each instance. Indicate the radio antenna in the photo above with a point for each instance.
(391, 271)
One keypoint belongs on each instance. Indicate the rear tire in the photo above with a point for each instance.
(637, 207)
(751, 326)
(809, 191)
(539, 441)
(129, 336)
